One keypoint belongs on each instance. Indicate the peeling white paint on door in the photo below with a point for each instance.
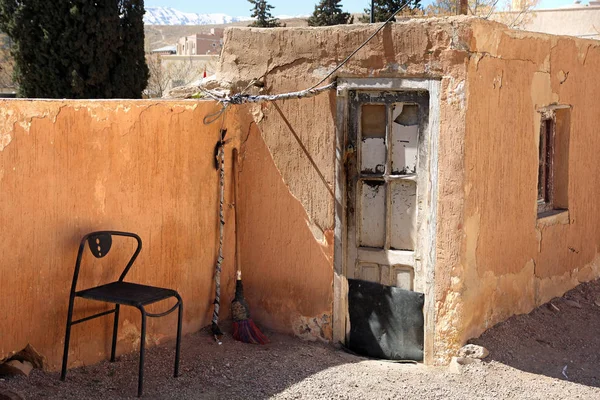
(373, 129)
(369, 272)
(388, 171)
(407, 269)
(372, 214)
(373, 156)
(403, 230)
(405, 131)
(403, 277)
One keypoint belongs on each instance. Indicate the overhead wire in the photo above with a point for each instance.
(241, 98)
(360, 47)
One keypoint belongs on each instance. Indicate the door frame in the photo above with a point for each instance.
(427, 241)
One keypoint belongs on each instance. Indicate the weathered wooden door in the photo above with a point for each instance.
(386, 183)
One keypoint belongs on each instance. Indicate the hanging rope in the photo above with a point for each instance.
(220, 161)
(242, 98)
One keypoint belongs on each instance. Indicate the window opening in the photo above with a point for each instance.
(546, 156)
(553, 160)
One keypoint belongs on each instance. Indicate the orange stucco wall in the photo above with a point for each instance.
(509, 260)
(71, 167)
(493, 259)
(300, 136)
(287, 274)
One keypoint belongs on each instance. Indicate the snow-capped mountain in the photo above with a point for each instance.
(171, 16)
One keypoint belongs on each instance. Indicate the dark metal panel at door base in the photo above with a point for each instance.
(385, 321)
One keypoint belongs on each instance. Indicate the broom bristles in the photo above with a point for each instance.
(246, 331)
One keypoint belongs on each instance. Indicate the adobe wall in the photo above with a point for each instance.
(286, 272)
(71, 167)
(492, 258)
(300, 139)
(509, 261)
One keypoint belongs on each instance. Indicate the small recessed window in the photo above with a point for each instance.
(553, 160)
(546, 152)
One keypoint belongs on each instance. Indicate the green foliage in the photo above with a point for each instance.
(329, 12)
(77, 48)
(261, 10)
(131, 74)
(385, 8)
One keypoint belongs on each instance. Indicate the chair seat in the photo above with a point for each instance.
(126, 293)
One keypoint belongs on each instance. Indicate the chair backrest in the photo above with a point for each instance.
(100, 243)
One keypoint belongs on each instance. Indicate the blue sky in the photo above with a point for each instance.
(287, 7)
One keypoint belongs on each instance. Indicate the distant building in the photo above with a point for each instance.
(165, 51)
(201, 43)
(576, 19)
(171, 70)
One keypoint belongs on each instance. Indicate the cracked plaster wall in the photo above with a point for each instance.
(71, 167)
(287, 272)
(300, 134)
(492, 260)
(508, 263)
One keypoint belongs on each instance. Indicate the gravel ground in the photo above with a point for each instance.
(291, 369)
(557, 339)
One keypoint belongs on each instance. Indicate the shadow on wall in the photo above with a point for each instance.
(288, 274)
(558, 339)
(71, 167)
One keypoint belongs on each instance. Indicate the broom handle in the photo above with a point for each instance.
(238, 261)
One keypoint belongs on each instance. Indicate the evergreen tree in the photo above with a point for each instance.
(261, 10)
(90, 43)
(385, 8)
(329, 12)
(76, 48)
(131, 72)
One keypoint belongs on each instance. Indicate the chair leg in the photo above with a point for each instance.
(63, 373)
(115, 330)
(178, 345)
(142, 353)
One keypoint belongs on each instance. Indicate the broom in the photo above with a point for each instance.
(244, 329)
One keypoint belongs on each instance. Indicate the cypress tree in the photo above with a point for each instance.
(261, 10)
(385, 8)
(131, 73)
(32, 28)
(329, 12)
(92, 30)
(77, 48)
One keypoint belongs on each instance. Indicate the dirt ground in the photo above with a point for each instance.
(563, 334)
(528, 354)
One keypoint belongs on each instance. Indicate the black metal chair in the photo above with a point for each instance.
(119, 293)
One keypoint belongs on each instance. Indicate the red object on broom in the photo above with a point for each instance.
(204, 72)
(244, 329)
